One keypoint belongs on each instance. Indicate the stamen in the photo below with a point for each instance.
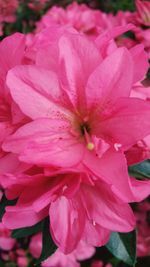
(90, 146)
(117, 146)
(64, 188)
(94, 223)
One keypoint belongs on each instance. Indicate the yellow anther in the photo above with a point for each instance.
(90, 146)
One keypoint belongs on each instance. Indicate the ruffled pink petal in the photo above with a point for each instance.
(104, 40)
(12, 48)
(141, 189)
(67, 223)
(60, 150)
(32, 84)
(83, 251)
(111, 79)
(95, 235)
(19, 140)
(49, 141)
(128, 122)
(104, 208)
(7, 243)
(108, 168)
(11, 164)
(140, 59)
(22, 216)
(77, 56)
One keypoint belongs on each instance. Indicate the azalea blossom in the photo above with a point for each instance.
(143, 9)
(12, 49)
(141, 150)
(64, 198)
(82, 252)
(82, 120)
(6, 242)
(79, 127)
(75, 134)
(7, 12)
(84, 19)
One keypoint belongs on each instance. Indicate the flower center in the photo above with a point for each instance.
(85, 131)
(84, 127)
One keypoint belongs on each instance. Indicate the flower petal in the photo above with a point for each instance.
(128, 122)
(104, 208)
(67, 223)
(19, 216)
(78, 58)
(111, 79)
(95, 235)
(108, 168)
(140, 59)
(32, 84)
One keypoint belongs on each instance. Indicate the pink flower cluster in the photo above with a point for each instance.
(10, 250)
(94, 22)
(81, 253)
(81, 17)
(7, 12)
(58, 258)
(69, 123)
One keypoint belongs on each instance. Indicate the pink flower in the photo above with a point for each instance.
(82, 252)
(141, 150)
(143, 36)
(35, 246)
(64, 197)
(7, 10)
(12, 49)
(78, 133)
(6, 242)
(143, 9)
(81, 17)
(79, 127)
(22, 261)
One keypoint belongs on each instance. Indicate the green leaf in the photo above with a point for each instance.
(123, 247)
(141, 170)
(48, 245)
(3, 203)
(27, 231)
(115, 262)
(2, 264)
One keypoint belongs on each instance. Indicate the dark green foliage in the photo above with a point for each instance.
(49, 246)
(24, 232)
(3, 203)
(116, 5)
(141, 170)
(123, 247)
